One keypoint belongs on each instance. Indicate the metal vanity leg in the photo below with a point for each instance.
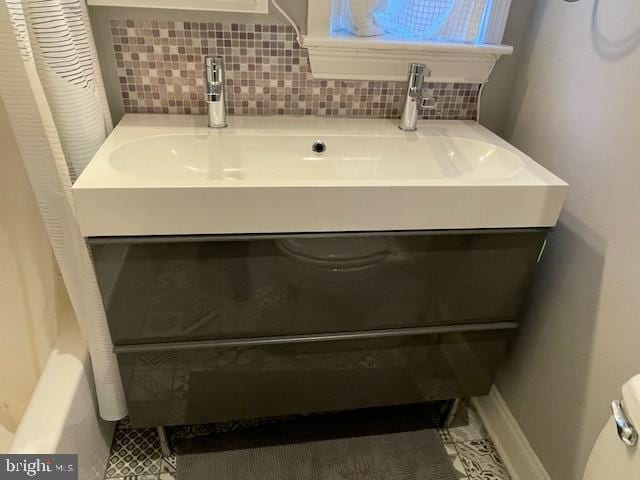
(456, 411)
(165, 448)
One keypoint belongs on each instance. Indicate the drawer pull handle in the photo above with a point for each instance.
(323, 337)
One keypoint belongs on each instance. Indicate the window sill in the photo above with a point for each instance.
(386, 58)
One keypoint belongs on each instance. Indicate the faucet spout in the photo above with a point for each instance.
(416, 99)
(215, 98)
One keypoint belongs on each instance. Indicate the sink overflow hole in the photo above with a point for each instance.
(318, 147)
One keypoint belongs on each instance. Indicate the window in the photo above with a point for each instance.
(463, 21)
(460, 40)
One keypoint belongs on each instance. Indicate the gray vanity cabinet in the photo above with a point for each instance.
(215, 328)
(205, 382)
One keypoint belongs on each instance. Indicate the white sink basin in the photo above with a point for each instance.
(261, 157)
(168, 175)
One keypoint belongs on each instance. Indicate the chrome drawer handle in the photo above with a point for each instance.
(626, 431)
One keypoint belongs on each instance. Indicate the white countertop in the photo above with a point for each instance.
(171, 175)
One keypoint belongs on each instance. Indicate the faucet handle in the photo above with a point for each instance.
(213, 65)
(427, 102)
(424, 100)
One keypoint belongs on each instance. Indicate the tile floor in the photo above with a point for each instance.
(135, 454)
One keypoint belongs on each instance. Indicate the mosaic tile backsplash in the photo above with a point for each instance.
(160, 69)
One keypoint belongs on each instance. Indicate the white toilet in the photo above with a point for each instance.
(610, 457)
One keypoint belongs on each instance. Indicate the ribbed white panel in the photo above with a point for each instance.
(55, 102)
(55, 35)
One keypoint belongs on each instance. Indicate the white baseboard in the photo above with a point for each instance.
(512, 445)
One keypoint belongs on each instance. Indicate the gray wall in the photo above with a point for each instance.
(497, 92)
(100, 16)
(575, 110)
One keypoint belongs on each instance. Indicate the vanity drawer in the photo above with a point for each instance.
(199, 288)
(199, 382)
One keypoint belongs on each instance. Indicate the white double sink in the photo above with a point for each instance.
(171, 175)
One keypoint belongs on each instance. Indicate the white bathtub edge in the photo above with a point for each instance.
(62, 415)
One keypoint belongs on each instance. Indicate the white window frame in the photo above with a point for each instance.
(248, 6)
(344, 56)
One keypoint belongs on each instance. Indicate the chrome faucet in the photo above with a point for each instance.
(214, 76)
(416, 98)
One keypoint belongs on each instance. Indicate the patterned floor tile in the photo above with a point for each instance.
(134, 477)
(134, 453)
(168, 468)
(454, 458)
(445, 436)
(481, 460)
(168, 464)
(473, 431)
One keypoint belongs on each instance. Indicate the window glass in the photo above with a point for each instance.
(439, 20)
